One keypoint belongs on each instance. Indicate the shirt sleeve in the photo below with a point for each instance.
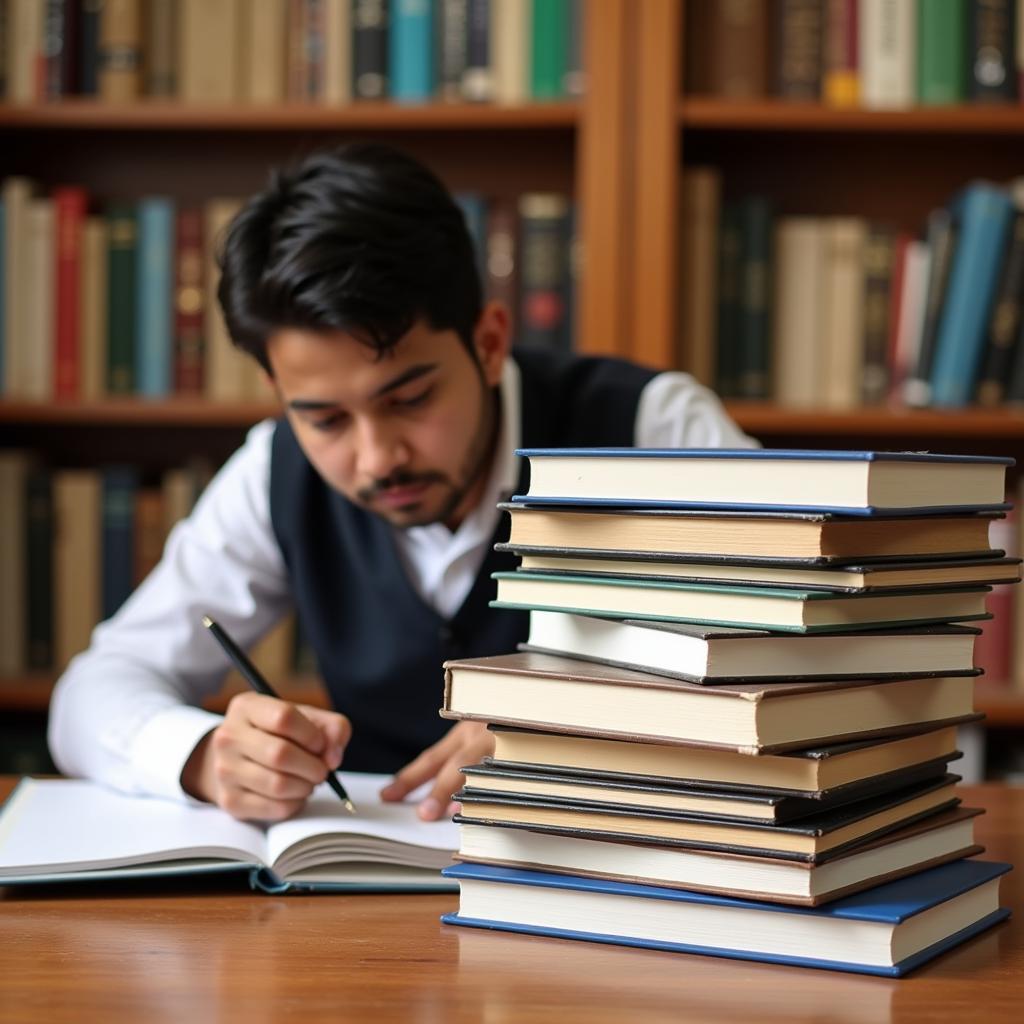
(675, 411)
(125, 712)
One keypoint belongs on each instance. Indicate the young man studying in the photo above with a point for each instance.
(369, 507)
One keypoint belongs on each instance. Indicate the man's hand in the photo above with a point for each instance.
(264, 759)
(465, 744)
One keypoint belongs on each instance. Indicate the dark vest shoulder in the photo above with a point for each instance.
(378, 646)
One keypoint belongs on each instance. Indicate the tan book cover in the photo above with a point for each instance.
(120, 51)
(14, 469)
(16, 195)
(225, 373)
(510, 50)
(177, 497)
(337, 52)
(208, 56)
(161, 52)
(701, 197)
(262, 43)
(93, 309)
(40, 257)
(77, 496)
(843, 326)
(24, 43)
(799, 311)
(150, 531)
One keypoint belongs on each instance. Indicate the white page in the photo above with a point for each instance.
(325, 814)
(54, 824)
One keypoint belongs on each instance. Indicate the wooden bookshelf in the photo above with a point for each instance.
(156, 115)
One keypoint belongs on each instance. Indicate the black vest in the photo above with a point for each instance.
(378, 646)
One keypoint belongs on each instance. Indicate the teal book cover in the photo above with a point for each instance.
(983, 213)
(411, 53)
(154, 301)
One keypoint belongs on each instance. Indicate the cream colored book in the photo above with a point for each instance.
(40, 258)
(93, 309)
(700, 200)
(800, 336)
(262, 45)
(17, 195)
(887, 49)
(24, 42)
(77, 496)
(120, 51)
(208, 56)
(337, 52)
(510, 50)
(225, 372)
(843, 314)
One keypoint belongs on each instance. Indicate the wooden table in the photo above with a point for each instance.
(207, 952)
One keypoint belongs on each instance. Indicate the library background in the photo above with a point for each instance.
(814, 206)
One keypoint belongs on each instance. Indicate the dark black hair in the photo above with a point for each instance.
(362, 239)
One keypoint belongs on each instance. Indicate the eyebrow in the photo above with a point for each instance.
(413, 373)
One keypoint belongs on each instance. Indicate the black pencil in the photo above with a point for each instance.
(252, 676)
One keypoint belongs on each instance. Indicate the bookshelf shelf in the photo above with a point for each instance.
(705, 113)
(136, 412)
(155, 115)
(985, 424)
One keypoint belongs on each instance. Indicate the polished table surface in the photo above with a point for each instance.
(192, 953)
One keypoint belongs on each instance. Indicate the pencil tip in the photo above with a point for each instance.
(350, 807)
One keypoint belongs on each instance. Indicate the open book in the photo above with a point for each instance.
(73, 830)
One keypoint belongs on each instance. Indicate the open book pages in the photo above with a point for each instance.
(68, 829)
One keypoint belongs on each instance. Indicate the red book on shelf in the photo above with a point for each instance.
(899, 263)
(70, 204)
(188, 303)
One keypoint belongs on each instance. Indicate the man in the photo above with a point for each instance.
(369, 507)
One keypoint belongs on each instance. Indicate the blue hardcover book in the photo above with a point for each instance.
(154, 297)
(862, 483)
(982, 214)
(120, 484)
(888, 930)
(474, 211)
(411, 53)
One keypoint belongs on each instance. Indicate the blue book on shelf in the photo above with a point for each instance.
(120, 484)
(888, 930)
(474, 212)
(411, 56)
(862, 483)
(982, 215)
(154, 297)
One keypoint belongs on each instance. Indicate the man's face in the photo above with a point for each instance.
(408, 435)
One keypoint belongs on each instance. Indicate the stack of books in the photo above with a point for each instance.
(730, 729)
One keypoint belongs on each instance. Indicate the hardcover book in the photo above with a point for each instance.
(888, 930)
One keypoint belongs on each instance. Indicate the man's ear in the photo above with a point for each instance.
(492, 338)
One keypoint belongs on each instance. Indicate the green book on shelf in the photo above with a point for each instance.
(122, 233)
(549, 48)
(941, 51)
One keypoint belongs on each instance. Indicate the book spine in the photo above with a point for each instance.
(39, 574)
(208, 52)
(1004, 327)
(188, 304)
(148, 535)
(727, 317)
(575, 81)
(845, 245)
(799, 35)
(411, 50)
(897, 284)
(17, 193)
(41, 266)
(72, 50)
(879, 253)
(907, 340)
(478, 76)
(89, 48)
(991, 72)
(70, 205)
(985, 213)
(313, 38)
(1019, 49)
(502, 280)
(840, 84)
(263, 51)
(224, 372)
(549, 29)
(993, 650)
(25, 71)
(543, 230)
(54, 86)
(162, 48)
(941, 46)
(370, 49)
(154, 297)
(338, 52)
(120, 51)
(940, 239)
(93, 309)
(14, 469)
(509, 48)
(451, 46)
(888, 47)
(3, 297)
(754, 314)
(77, 594)
(735, 36)
(5, 35)
(296, 37)
(121, 248)
(117, 545)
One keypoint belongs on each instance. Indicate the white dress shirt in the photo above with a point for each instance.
(125, 711)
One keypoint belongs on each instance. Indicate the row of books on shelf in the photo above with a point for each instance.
(876, 54)
(123, 302)
(683, 763)
(321, 51)
(77, 542)
(838, 312)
